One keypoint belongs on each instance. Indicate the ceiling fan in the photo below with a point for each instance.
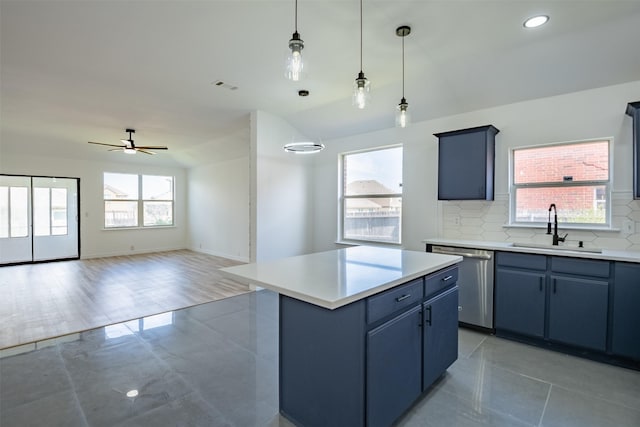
(129, 147)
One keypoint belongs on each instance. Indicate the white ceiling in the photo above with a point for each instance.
(74, 71)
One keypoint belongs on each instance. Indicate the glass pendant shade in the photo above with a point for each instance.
(402, 115)
(294, 60)
(361, 89)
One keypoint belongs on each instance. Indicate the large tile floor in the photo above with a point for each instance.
(216, 365)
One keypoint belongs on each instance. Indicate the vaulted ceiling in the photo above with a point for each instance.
(80, 70)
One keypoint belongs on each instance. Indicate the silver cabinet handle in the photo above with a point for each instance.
(446, 279)
(428, 321)
(403, 297)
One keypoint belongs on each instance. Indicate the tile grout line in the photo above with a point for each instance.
(475, 348)
(73, 385)
(546, 403)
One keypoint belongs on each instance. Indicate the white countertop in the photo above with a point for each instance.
(335, 278)
(606, 254)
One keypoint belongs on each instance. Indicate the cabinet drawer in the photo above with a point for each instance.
(512, 259)
(388, 302)
(443, 279)
(581, 267)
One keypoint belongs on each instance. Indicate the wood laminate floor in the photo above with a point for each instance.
(42, 301)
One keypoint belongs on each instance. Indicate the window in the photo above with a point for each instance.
(129, 198)
(49, 211)
(14, 208)
(575, 176)
(372, 195)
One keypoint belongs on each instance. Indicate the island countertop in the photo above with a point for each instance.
(335, 278)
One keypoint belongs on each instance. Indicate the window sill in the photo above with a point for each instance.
(154, 227)
(566, 227)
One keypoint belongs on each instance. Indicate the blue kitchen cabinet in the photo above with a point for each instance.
(520, 301)
(440, 342)
(626, 312)
(362, 364)
(520, 292)
(394, 367)
(578, 302)
(633, 110)
(563, 300)
(466, 163)
(578, 312)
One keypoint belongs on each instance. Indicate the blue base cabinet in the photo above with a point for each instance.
(625, 333)
(440, 343)
(366, 363)
(393, 367)
(578, 312)
(520, 293)
(553, 299)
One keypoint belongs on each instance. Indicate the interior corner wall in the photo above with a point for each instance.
(95, 241)
(575, 116)
(219, 208)
(281, 183)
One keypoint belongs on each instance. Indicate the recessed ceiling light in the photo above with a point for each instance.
(304, 147)
(536, 21)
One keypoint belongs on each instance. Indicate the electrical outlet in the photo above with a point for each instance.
(456, 219)
(627, 226)
(133, 248)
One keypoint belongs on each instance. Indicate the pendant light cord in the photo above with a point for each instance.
(360, 35)
(403, 67)
(296, 18)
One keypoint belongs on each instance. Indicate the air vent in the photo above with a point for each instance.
(224, 85)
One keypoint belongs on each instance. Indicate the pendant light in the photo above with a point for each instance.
(294, 60)
(402, 115)
(361, 86)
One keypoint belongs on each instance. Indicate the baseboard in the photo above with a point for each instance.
(136, 252)
(221, 255)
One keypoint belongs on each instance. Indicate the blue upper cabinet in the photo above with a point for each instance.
(633, 109)
(466, 163)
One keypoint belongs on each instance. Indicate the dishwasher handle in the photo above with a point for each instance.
(463, 254)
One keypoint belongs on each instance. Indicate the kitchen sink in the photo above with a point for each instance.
(555, 248)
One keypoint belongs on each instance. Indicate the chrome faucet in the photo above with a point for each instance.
(556, 238)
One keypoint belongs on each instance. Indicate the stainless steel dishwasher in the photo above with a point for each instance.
(475, 281)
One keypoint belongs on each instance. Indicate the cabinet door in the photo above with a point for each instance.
(440, 344)
(466, 164)
(626, 313)
(578, 311)
(520, 301)
(394, 365)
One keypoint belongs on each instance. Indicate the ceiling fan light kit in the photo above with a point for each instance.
(129, 147)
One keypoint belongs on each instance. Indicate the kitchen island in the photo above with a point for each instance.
(364, 331)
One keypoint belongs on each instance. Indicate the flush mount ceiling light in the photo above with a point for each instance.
(402, 116)
(536, 21)
(294, 60)
(303, 147)
(361, 86)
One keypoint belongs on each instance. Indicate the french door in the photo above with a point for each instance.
(38, 219)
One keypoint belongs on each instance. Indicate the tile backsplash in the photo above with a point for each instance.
(487, 221)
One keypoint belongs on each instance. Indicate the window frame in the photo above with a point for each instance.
(607, 184)
(140, 203)
(342, 205)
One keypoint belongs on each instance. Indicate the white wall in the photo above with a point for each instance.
(282, 214)
(95, 241)
(581, 115)
(219, 208)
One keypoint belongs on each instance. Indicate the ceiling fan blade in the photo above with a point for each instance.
(149, 147)
(115, 149)
(144, 151)
(102, 143)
